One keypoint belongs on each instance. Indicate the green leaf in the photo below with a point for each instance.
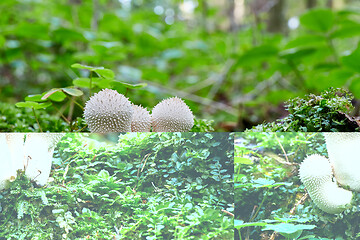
(128, 85)
(346, 31)
(105, 73)
(258, 55)
(240, 224)
(73, 91)
(306, 40)
(268, 183)
(101, 71)
(2, 41)
(82, 82)
(296, 53)
(33, 105)
(50, 92)
(57, 96)
(319, 20)
(355, 87)
(243, 160)
(288, 230)
(35, 98)
(103, 83)
(82, 66)
(352, 61)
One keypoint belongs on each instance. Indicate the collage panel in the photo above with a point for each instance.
(297, 186)
(116, 186)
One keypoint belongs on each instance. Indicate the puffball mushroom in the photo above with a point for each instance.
(34, 155)
(344, 154)
(316, 174)
(108, 111)
(11, 156)
(172, 115)
(15, 142)
(141, 120)
(38, 149)
(5, 161)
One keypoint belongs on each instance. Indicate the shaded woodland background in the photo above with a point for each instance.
(233, 61)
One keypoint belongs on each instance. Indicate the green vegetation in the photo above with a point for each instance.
(233, 71)
(269, 197)
(325, 113)
(146, 186)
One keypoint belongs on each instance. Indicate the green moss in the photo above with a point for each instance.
(327, 112)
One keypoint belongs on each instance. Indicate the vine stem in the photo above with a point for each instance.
(331, 46)
(282, 148)
(33, 110)
(78, 104)
(90, 86)
(62, 115)
(298, 74)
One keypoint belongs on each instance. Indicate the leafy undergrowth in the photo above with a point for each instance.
(327, 112)
(269, 197)
(13, 119)
(148, 186)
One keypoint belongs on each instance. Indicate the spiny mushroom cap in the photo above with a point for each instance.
(316, 174)
(172, 115)
(141, 120)
(344, 155)
(108, 111)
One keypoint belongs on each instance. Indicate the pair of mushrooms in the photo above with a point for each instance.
(109, 111)
(316, 172)
(31, 152)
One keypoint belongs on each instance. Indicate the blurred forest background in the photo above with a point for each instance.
(233, 61)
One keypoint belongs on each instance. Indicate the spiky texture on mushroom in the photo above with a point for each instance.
(316, 174)
(108, 111)
(172, 115)
(39, 148)
(344, 154)
(141, 120)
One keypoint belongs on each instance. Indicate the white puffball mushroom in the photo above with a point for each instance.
(5, 162)
(108, 111)
(172, 115)
(39, 149)
(141, 120)
(316, 174)
(15, 142)
(344, 154)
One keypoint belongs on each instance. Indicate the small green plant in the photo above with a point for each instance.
(138, 186)
(71, 100)
(270, 200)
(327, 112)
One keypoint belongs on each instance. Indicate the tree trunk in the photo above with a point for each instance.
(204, 12)
(310, 4)
(329, 4)
(276, 22)
(231, 15)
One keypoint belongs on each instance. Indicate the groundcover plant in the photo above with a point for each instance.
(125, 186)
(296, 186)
(234, 63)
